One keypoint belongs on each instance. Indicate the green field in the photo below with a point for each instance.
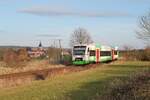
(84, 85)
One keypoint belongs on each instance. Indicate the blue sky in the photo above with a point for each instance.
(111, 22)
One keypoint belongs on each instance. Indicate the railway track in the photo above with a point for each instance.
(15, 79)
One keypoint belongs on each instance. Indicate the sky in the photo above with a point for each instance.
(110, 22)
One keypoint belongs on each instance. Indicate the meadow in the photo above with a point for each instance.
(92, 84)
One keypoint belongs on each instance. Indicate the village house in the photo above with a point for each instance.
(36, 52)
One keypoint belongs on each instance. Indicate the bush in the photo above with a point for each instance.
(135, 88)
(10, 57)
(147, 54)
(1, 54)
(54, 55)
(23, 55)
(142, 55)
(15, 58)
(67, 59)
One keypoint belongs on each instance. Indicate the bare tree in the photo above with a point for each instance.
(144, 29)
(80, 36)
(54, 55)
(127, 47)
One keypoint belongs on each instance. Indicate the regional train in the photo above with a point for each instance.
(83, 54)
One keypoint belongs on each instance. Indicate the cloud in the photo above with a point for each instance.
(48, 11)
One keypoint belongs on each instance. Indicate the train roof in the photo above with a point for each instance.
(81, 44)
(98, 45)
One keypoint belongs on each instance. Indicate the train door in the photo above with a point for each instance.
(97, 55)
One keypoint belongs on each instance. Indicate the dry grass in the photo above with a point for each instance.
(123, 62)
(31, 65)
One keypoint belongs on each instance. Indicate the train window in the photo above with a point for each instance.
(79, 47)
(105, 53)
(92, 52)
(115, 52)
(79, 52)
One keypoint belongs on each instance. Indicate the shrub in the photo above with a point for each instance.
(15, 58)
(1, 54)
(67, 59)
(23, 55)
(147, 54)
(54, 55)
(142, 55)
(10, 57)
(135, 88)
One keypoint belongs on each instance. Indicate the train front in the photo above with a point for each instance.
(79, 55)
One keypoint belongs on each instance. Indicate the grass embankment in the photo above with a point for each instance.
(86, 85)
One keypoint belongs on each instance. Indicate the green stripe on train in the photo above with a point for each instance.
(92, 58)
(102, 59)
(80, 62)
(105, 59)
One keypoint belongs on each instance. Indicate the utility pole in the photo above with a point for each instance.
(61, 51)
(60, 43)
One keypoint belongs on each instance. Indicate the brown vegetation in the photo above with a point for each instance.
(34, 64)
(1, 54)
(141, 55)
(137, 87)
(15, 79)
(23, 55)
(10, 57)
(54, 55)
(15, 58)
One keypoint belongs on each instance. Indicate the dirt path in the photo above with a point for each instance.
(15, 79)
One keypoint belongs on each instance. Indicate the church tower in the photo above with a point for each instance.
(40, 44)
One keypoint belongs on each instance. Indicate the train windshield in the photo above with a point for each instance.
(79, 50)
